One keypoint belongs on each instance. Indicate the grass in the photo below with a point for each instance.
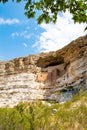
(71, 115)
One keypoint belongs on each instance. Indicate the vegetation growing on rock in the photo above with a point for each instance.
(46, 116)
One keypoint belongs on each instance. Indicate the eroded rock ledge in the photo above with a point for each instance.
(54, 76)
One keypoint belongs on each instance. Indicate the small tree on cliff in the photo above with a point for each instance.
(49, 9)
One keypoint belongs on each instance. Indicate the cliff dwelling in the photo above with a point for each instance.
(50, 74)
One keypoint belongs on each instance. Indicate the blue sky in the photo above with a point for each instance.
(20, 36)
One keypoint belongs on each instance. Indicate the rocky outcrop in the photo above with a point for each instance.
(55, 76)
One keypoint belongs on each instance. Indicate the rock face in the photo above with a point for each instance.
(55, 76)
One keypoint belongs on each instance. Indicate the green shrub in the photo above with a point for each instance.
(39, 116)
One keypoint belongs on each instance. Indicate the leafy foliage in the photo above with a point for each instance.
(39, 116)
(50, 8)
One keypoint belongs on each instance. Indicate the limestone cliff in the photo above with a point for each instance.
(54, 76)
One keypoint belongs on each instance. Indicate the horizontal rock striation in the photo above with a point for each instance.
(55, 76)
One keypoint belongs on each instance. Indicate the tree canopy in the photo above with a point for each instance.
(49, 9)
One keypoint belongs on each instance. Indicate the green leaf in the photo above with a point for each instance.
(85, 28)
(26, 6)
(18, 0)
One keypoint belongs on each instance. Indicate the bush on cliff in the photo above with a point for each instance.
(46, 116)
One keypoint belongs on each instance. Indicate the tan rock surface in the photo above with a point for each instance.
(54, 76)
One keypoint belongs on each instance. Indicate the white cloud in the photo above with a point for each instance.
(60, 34)
(16, 34)
(25, 34)
(25, 45)
(9, 21)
